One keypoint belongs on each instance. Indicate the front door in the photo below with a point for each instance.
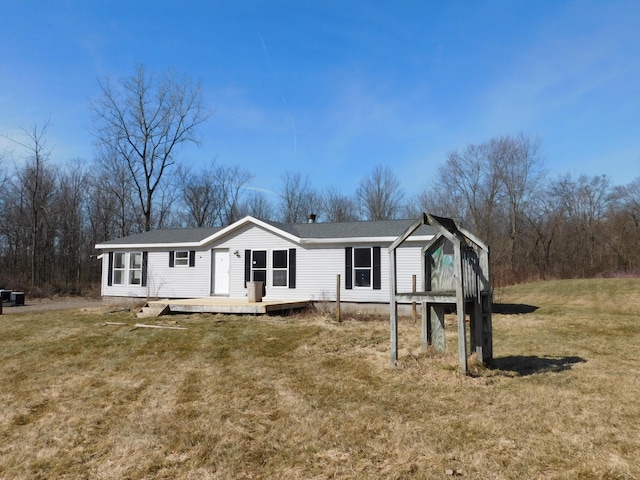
(220, 272)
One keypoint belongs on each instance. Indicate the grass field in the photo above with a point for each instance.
(303, 397)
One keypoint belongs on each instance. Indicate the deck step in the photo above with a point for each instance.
(154, 310)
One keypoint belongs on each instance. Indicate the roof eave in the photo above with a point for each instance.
(321, 241)
(129, 246)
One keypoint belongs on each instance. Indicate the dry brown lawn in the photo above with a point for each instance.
(303, 397)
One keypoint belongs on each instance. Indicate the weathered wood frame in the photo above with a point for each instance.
(471, 271)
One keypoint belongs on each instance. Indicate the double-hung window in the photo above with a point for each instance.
(119, 268)
(280, 268)
(135, 268)
(259, 266)
(362, 267)
(181, 258)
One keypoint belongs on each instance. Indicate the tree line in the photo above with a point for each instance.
(52, 214)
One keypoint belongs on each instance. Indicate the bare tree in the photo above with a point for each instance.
(380, 194)
(115, 188)
(519, 165)
(69, 205)
(545, 220)
(298, 199)
(258, 205)
(33, 189)
(201, 198)
(231, 182)
(586, 203)
(474, 184)
(143, 120)
(339, 207)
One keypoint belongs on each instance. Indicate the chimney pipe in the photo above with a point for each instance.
(311, 218)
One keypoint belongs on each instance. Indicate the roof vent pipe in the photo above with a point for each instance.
(311, 218)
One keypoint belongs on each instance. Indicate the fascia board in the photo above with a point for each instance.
(138, 246)
(321, 241)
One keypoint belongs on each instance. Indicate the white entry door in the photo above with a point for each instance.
(220, 272)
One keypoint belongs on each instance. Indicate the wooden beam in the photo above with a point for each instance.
(431, 297)
(168, 327)
(408, 232)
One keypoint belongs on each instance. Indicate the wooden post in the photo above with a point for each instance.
(413, 304)
(338, 298)
(436, 322)
(426, 327)
(462, 329)
(393, 307)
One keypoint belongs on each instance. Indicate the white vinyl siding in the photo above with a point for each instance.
(317, 267)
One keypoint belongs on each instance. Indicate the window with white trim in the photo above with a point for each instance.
(135, 268)
(119, 268)
(362, 262)
(259, 266)
(280, 267)
(127, 268)
(181, 258)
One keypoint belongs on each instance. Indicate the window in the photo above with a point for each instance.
(280, 266)
(119, 267)
(259, 266)
(127, 268)
(182, 258)
(362, 267)
(135, 268)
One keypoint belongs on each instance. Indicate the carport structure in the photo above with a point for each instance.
(455, 266)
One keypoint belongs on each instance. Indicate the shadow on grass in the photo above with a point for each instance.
(529, 365)
(513, 308)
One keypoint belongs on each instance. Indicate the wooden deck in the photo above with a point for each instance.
(228, 305)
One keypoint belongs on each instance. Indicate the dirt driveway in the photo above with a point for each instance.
(45, 304)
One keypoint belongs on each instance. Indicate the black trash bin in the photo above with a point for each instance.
(5, 295)
(17, 299)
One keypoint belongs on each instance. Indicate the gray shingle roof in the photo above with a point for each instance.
(320, 231)
(381, 228)
(168, 235)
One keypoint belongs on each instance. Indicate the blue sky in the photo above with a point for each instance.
(333, 88)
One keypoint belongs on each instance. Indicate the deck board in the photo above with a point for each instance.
(229, 305)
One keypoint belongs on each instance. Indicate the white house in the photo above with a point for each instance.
(295, 261)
